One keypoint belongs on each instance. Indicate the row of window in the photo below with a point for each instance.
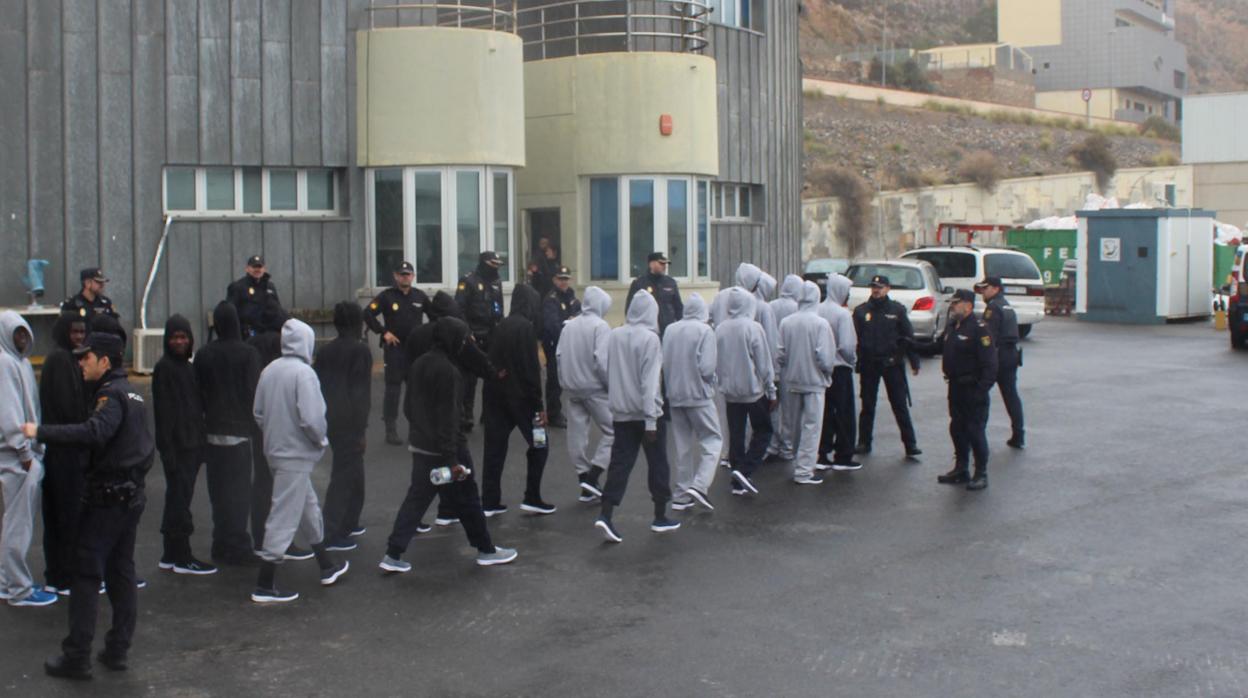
(251, 192)
(631, 217)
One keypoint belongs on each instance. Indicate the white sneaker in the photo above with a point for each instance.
(500, 556)
(678, 505)
(809, 480)
(395, 565)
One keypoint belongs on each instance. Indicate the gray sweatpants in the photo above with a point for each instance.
(21, 506)
(295, 516)
(803, 417)
(580, 412)
(698, 442)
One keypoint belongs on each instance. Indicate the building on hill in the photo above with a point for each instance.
(1216, 148)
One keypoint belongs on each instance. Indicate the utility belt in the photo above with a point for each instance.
(113, 494)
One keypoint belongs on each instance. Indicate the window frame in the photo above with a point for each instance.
(201, 210)
(725, 192)
(660, 222)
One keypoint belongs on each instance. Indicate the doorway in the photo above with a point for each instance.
(544, 244)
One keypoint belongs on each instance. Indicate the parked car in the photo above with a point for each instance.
(817, 270)
(1235, 298)
(916, 285)
(964, 266)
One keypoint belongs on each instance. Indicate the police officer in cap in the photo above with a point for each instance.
(885, 340)
(403, 307)
(559, 306)
(970, 366)
(480, 299)
(664, 289)
(255, 298)
(121, 447)
(1002, 324)
(90, 301)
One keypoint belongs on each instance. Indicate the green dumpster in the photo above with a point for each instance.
(1048, 248)
(1223, 262)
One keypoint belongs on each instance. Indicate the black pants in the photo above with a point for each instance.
(181, 470)
(839, 419)
(898, 390)
(344, 499)
(501, 417)
(261, 491)
(968, 425)
(230, 490)
(630, 437)
(460, 495)
(395, 371)
(469, 397)
(105, 553)
(1007, 382)
(62, 505)
(554, 392)
(758, 415)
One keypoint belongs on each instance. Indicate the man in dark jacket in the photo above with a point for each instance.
(179, 419)
(226, 371)
(515, 402)
(885, 338)
(559, 306)
(403, 307)
(436, 441)
(121, 454)
(970, 367)
(663, 287)
(480, 299)
(63, 400)
(255, 299)
(345, 369)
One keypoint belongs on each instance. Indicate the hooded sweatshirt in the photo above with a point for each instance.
(513, 348)
(176, 404)
(841, 320)
(469, 357)
(690, 357)
(786, 304)
(807, 347)
(759, 285)
(19, 394)
(226, 370)
(62, 396)
(289, 408)
(434, 394)
(345, 370)
(635, 365)
(745, 370)
(583, 347)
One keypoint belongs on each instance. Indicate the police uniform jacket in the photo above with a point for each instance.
(884, 332)
(80, 306)
(666, 291)
(403, 312)
(970, 357)
(480, 297)
(259, 308)
(557, 308)
(1002, 323)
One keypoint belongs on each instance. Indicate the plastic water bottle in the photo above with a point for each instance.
(444, 475)
(539, 432)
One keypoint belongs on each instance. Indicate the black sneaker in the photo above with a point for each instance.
(1016, 443)
(608, 530)
(333, 574)
(538, 507)
(979, 482)
(862, 449)
(357, 532)
(267, 596)
(423, 527)
(957, 476)
(496, 510)
(194, 567)
(744, 480)
(738, 490)
(112, 662)
(664, 524)
(340, 546)
(445, 521)
(164, 564)
(298, 554)
(63, 667)
(589, 487)
(847, 466)
(913, 452)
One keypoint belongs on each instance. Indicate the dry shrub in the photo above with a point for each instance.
(1097, 156)
(854, 196)
(982, 168)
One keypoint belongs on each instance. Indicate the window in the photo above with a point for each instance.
(637, 215)
(1010, 266)
(734, 202)
(251, 192)
(951, 265)
(899, 278)
(1180, 80)
(736, 13)
(439, 219)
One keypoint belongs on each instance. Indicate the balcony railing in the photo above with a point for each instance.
(496, 15)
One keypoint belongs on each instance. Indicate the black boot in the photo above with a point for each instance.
(979, 482)
(114, 661)
(392, 435)
(63, 667)
(957, 476)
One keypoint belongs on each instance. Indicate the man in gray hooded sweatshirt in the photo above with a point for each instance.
(786, 304)
(840, 424)
(635, 371)
(747, 380)
(689, 365)
(581, 357)
(290, 411)
(21, 462)
(807, 357)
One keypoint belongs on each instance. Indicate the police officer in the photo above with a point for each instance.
(90, 301)
(480, 298)
(255, 298)
(1002, 324)
(885, 338)
(121, 447)
(970, 367)
(403, 307)
(559, 306)
(664, 289)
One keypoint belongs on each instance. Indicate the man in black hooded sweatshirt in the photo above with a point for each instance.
(480, 299)
(226, 371)
(179, 419)
(514, 401)
(64, 401)
(345, 369)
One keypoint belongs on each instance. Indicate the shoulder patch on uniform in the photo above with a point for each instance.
(868, 318)
(462, 286)
(82, 312)
(480, 287)
(251, 290)
(394, 306)
(99, 403)
(987, 313)
(372, 306)
(986, 340)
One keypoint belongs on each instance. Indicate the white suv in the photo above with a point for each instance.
(964, 266)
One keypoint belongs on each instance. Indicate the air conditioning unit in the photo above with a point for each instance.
(149, 346)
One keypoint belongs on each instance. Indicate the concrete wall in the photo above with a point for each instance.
(1029, 22)
(467, 111)
(1214, 128)
(902, 219)
(1223, 188)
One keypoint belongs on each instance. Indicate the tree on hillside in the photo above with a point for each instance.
(853, 195)
(1096, 155)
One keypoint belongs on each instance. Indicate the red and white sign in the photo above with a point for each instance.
(1087, 95)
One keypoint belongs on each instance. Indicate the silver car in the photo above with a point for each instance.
(914, 284)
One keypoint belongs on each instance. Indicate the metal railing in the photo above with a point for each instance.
(576, 27)
(496, 15)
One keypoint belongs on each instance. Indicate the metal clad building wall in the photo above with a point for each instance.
(100, 96)
(760, 127)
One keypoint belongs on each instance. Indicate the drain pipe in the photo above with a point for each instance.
(151, 274)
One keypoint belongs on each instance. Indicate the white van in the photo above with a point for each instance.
(964, 266)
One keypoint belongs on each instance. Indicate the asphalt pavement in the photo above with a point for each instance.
(1105, 560)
